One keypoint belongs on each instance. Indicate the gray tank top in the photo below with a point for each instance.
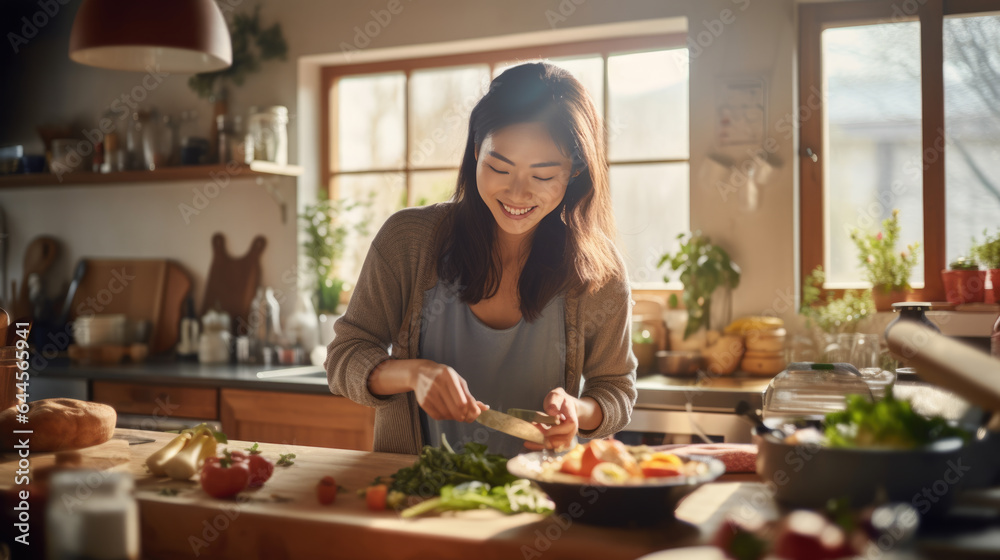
(505, 368)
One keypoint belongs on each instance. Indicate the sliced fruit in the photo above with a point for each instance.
(609, 473)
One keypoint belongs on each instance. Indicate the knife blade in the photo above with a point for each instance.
(533, 416)
(510, 425)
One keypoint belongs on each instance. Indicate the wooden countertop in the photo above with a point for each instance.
(284, 520)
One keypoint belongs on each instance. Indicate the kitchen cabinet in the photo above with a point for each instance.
(297, 419)
(158, 400)
(317, 420)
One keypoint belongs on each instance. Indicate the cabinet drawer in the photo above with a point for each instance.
(157, 400)
(316, 420)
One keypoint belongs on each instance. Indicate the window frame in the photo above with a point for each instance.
(329, 74)
(813, 20)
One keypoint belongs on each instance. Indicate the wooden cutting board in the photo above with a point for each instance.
(232, 282)
(141, 289)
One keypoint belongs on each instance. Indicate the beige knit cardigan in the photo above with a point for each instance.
(385, 313)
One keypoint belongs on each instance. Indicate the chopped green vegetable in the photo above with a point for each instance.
(285, 460)
(516, 497)
(168, 492)
(254, 449)
(440, 467)
(888, 423)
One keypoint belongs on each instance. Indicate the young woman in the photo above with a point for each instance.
(510, 295)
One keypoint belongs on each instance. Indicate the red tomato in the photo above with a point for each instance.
(224, 480)
(326, 490)
(261, 468)
(376, 496)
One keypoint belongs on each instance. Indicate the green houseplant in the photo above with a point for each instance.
(703, 267)
(832, 314)
(988, 253)
(887, 269)
(324, 240)
(252, 44)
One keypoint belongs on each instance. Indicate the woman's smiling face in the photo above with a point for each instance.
(522, 176)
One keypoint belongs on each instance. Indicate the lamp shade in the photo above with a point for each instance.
(179, 36)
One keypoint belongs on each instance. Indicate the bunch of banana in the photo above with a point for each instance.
(755, 323)
(183, 456)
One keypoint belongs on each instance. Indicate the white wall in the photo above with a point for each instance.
(759, 42)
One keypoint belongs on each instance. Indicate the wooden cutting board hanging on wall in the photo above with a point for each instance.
(141, 289)
(232, 282)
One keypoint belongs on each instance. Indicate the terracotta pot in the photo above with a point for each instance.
(964, 286)
(994, 293)
(884, 299)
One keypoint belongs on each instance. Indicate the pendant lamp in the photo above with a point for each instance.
(174, 36)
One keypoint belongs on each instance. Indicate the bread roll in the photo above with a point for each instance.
(763, 363)
(59, 425)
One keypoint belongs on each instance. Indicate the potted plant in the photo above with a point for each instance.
(832, 314)
(887, 270)
(703, 269)
(323, 243)
(988, 253)
(963, 281)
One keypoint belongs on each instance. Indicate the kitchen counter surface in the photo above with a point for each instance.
(709, 394)
(310, 379)
(283, 519)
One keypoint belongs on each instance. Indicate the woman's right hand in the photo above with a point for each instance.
(443, 394)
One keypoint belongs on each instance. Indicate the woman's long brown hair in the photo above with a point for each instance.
(572, 247)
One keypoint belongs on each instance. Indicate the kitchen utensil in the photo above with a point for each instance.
(232, 282)
(81, 269)
(38, 258)
(746, 411)
(510, 426)
(644, 503)
(150, 290)
(955, 366)
(533, 416)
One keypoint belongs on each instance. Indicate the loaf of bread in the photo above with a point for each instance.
(59, 425)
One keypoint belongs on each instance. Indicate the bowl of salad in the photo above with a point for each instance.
(605, 482)
(868, 453)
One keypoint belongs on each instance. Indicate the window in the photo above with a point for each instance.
(395, 132)
(899, 102)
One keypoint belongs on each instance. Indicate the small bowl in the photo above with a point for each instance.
(644, 503)
(679, 362)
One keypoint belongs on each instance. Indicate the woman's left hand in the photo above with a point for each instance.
(560, 404)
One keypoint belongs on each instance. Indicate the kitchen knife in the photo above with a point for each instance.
(533, 416)
(510, 425)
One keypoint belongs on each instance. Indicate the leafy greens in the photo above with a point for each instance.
(889, 423)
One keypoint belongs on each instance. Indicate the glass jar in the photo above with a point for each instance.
(268, 135)
(92, 514)
(227, 137)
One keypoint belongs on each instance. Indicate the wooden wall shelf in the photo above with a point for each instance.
(183, 173)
